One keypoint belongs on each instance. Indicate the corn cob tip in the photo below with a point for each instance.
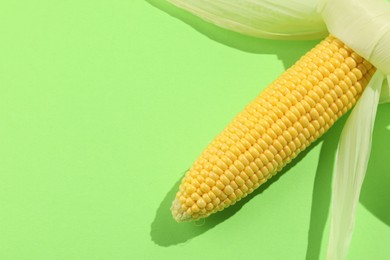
(178, 213)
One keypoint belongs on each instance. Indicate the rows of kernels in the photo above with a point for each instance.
(281, 122)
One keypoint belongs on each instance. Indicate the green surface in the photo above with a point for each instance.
(104, 105)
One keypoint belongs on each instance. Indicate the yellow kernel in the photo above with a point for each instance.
(287, 150)
(249, 184)
(349, 94)
(295, 111)
(189, 202)
(262, 144)
(323, 104)
(254, 179)
(323, 86)
(225, 180)
(293, 132)
(232, 197)
(344, 100)
(292, 146)
(239, 165)
(244, 176)
(206, 198)
(339, 73)
(291, 116)
(317, 74)
(277, 129)
(222, 196)
(311, 129)
(233, 185)
(213, 176)
(338, 91)
(195, 196)
(204, 187)
(357, 73)
(210, 182)
(278, 146)
(324, 71)
(307, 84)
(298, 126)
(336, 63)
(328, 82)
(368, 65)
(287, 136)
(268, 155)
(217, 170)
(279, 159)
(334, 78)
(263, 158)
(307, 104)
(255, 164)
(304, 122)
(329, 66)
(356, 57)
(281, 125)
(221, 165)
(211, 195)
(271, 134)
(338, 57)
(272, 149)
(351, 63)
(315, 94)
(195, 208)
(299, 108)
(306, 133)
(315, 124)
(320, 108)
(352, 77)
(209, 206)
(243, 159)
(345, 68)
(297, 143)
(190, 189)
(238, 193)
(244, 188)
(228, 190)
(239, 181)
(216, 201)
(344, 52)
(301, 90)
(362, 68)
(245, 142)
(248, 171)
(201, 203)
(267, 139)
(219, 185)
(282, 154)
(314, 114)
(195, 182)
(282, 139)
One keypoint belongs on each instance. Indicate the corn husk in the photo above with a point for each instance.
(274, 19)
(352, 157)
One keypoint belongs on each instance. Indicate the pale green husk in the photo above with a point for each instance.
(275, 19)
(350, 168)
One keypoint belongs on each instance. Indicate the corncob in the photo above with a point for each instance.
(282, 121)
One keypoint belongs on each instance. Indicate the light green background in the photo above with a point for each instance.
(104, 105)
